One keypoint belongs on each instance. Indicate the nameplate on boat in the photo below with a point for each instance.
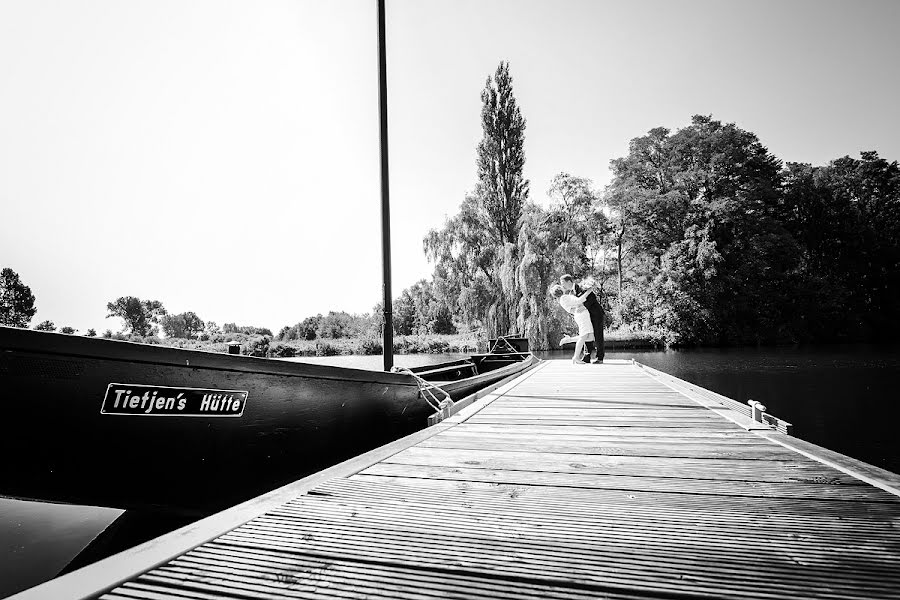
(160, 400)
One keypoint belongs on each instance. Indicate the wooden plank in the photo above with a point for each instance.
(796, 470)
(580, 413)
(881, 478)
(738, 439)
(637, 483)
(609, 447)
(727, 431)
(589, 500)
(695, 424)
(276, 573)
(614, 521)
(637, 565)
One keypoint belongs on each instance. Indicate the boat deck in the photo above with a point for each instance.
(571, 482)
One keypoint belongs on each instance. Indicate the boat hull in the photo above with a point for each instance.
(298, 418)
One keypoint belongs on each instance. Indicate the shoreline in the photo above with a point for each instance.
(461, 343)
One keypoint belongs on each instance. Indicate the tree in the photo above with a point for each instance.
(404, 314)
(568, 237)
(340, 325)
(846, 218)
(308, 328)
(578, 225)
(418, 310)
(139, 315)
(464, 254)
(67, 330)
(91, 333)
(45, 326)
(475, 254)
(246, 329)
(16, 300)
(502, 189)
(704, 205)
(184, 325)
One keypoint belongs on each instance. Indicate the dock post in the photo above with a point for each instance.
(756, 410)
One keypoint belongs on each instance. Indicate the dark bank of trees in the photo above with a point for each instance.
(702, 237)
(724, 244)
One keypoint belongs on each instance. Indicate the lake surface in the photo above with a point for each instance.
(844, 396)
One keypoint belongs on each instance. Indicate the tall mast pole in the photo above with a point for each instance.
(388, 341)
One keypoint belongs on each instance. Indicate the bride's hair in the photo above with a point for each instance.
(557, 290)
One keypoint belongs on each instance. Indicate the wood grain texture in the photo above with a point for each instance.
(571, 482)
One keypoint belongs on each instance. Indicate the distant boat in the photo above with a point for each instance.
(126, 425)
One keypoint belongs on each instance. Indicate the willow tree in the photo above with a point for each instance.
(567, 236)
(476, 253)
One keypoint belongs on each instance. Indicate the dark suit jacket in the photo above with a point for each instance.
(592, 303)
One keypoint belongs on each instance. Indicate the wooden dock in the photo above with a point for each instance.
(570, 482)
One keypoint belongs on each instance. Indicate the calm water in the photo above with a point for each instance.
(843, 397)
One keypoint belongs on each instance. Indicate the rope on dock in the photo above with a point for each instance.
(426, 389)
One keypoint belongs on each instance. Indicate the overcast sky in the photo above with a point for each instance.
(222, 157)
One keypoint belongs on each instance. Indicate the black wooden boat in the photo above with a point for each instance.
(127, 425)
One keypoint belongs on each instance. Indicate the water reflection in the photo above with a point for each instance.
(39, 539)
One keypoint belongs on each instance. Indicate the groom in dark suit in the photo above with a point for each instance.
(592, 304)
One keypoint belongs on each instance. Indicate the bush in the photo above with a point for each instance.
(437, 346)
(371, 346)
(326, 349)
(282, 351)
(256, 347)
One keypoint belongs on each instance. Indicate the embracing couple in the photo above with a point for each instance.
(582, 303)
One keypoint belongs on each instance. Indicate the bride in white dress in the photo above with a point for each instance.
(574, 305)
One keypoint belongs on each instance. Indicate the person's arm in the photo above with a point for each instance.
(584, 296)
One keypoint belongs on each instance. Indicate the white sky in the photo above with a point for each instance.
(222, 157)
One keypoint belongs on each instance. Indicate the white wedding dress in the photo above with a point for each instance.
(575, 308)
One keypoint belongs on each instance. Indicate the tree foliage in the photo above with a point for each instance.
(475, 254)
(139, 316)
(501, 189)
(245, 329)
(183, 325)
(341, 324)
(16, 300)
(727, 245)
(46, 325)
(418, 311)
(703, 236)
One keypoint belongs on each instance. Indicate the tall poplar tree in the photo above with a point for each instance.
(476, 253)
(502, 189)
